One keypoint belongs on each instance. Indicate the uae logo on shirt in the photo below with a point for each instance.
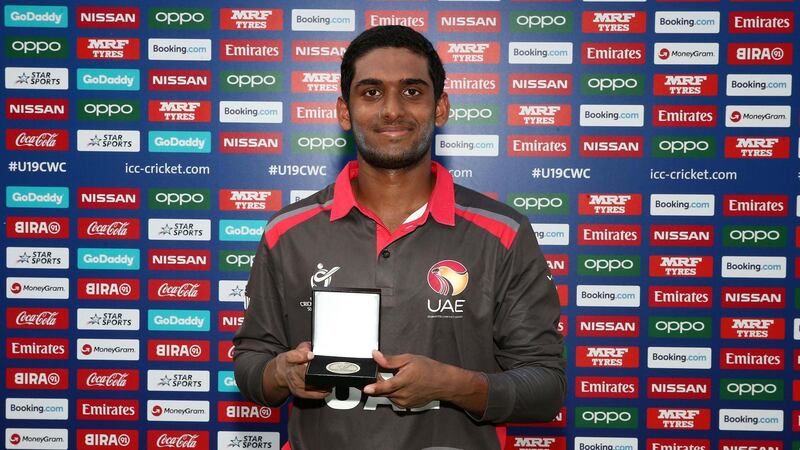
(448, 277)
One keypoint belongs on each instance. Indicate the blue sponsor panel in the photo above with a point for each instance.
(30, 16)
(108, 79)
(226, 381)
(179, 142)
(178, 320)
(241, 230)
(37, 197)
(108, 258)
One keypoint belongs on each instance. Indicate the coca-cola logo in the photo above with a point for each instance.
(116, 228)
(114, 379)
(42, 318)
(186, 440)
(185, 290)
(40, 140)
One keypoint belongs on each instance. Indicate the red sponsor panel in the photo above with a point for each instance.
(251, 19)
(610, 204)
(741, 444)
(688, 84)
(225, 351)
(679, 388)
(560, 421)
(608, 357)
(37, 318)
(751, 358)
(107, 48)
(607, 326)
(607, 234)
(754, 297)
(606, 387)
(796, 421)
(685, 116)
(757, 328)
(179, 80)
(673, 443)
(304, 82)
(755, 205)
(37, 109)
(472, 83)
(107, 409)
(613, 53)
(37, 139)
(678, 418)
(757, 147)
(796, 359)
(539, 145)
(692, 266)
(558, 264)
(108, 228)
(249, 200)
(107, 379)
(540, 83)
(514, 442)
(37, 227)
(108, 198)
(682, 235)
(762, 54)
(614, 22)
(229, 321)
(418, 20)
(246, 412)
(179, 110)
(108, 289)
(250, 142)
(90, 439)
(107, 17)
(37, 378)
(37, 348)
(251, 50)
(757, 22)
(563, 325)
(555, 115)
(563, 294)
(679, 297)
(318, 51)
(796, 390)
(179, 290)
(468, 21)
(314, 112)
(469, 52)
(611, 146)
(179, 259)
(169, 439)
(178, 350)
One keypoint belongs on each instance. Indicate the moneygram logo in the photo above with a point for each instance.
(679, 327)
(609, 265)
(241, 230)
(108, 79)
(179, 199)
(108, 289)
(546, 22)
(250, 142)
(606, 417)
(612, 84)
(751, 389)
(684, 147)
(173, 320)
(686, 53)
(779, 54)
(259, 19)
(468, 21)
(754, 236)
(107, 17)
(607, 296)
(613, 22)
(757, 116)
(542, 146)
(108, 350)
(756, 147)
(37, 288)
(179, 290)
(26, 16)
(36, 47)
(180, 18)
(179, 80)
(236, 260)
(540, 204)
(117, 110)
(685, 84)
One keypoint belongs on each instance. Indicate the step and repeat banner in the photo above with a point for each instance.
(652, 144)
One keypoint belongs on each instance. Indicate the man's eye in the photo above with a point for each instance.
(412, 92)
(372, 93)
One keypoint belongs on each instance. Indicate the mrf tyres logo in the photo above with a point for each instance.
(448, 279)
(681, 266)
(678, 418)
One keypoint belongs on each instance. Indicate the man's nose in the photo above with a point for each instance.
(393, 107)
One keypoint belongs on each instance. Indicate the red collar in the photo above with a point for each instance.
(441, 205)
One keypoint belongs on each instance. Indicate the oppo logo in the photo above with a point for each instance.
(240, 260)
(107, 110)
(608, 265)
(606, 416)
(538, 203)
(541, 21)
(470, 113)
(674, 146)
(612, 84)
(754, 235)
(250, 80)
(751, 389)
(680, 326)
(36, 47)
(179, 17)
(180, 198)
(321, 143)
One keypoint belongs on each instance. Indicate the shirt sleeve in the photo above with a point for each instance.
(263, 334)
(528, 345)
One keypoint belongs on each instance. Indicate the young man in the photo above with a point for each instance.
(469, 312)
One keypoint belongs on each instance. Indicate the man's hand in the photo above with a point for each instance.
(286, 373)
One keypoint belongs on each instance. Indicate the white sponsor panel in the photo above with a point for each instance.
(179, 380)
(179, 229)
(295, 195)
(467, 145)
(37, 258)
(551, 233)
(37, 288)
(686, 22)
(323, 20)
(108, 319)
(753, 267)
(248, 439)
(232, 290)
(605, 443)
(108, 141)
(758, 116)
(796, 334)
(540, 52)
(678, 358)
(250, 112)
(45, 78)
(701, 205)
(686, 53)
(37, 408)
(37, 438)
(159, 49)
(612, 115)
(107, 349)
(178, 411)
(608, 296)
(758, 85)
(751, 419)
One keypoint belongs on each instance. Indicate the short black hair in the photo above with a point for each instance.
(391, 36)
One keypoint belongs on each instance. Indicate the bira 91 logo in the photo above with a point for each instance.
(107, 409)
(37, 227)
(179, 290)
(37, 348)
(757, 22)
(107, 379)
(685, 84)
(37, 140)
(39, 379)
(606, 387)
(612, 53)
(540, 115)
(756, 147)
(178, 350)
(608, 357)
(754, 297)
(246, 412)
(108, 289)
(37, 109)
(614, 22)
(610, 204)
(104, 228)
(685, 116)
(752, 328)
(179, 259)
(778, 54)
(108, 48)
(468, 21)
(681, 235)
(679, 388)
(179, 111)
(680, 297)
(172, 439)
(540, 146)
(318, 51)
(250, 142)
(90, 439)
(418, 20)
(751, 358)
(607, 326)
(536, 443)
(107, 17)
(678, 418)
(37, 318)
(315, 82)
(251, 19)
(611, 146)
(249, 200)
(179, 80)
(755, 205)
(108, 198)
(469, 52)
(681, 266)
(618, 235)
(540, 83)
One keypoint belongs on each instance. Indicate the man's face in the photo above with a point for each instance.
(392, 109)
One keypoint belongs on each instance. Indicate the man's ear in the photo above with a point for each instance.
(442, 112)
(343, 114)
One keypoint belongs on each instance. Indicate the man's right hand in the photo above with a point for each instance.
(286, 373)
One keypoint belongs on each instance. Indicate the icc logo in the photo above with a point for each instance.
(448, 277)
(323, 276)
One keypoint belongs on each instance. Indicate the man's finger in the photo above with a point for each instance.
(389, 362)
(298, 356)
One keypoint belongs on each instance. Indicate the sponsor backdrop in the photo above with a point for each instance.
(652, 144)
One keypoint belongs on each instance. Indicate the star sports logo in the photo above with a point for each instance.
(448, 277)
